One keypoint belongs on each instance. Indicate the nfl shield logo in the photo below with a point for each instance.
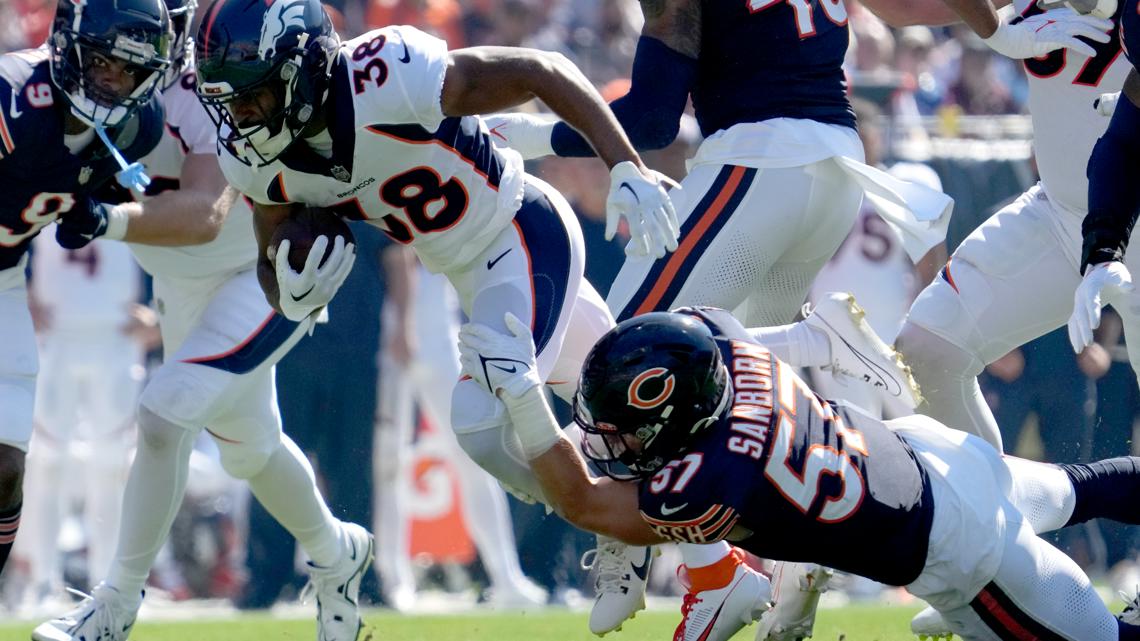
(341, 174)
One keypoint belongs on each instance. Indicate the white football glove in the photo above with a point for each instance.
(1111, 280)
(527, 134)
(1038, 35)
(302, 294)
(641, 198)
(500, 361)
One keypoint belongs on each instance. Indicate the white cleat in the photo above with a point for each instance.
(718, 614)
(523, 594)
(338, 587)
(796, 590)
(621, 573)
(929, 625)
(1131, 612)
(103, 615)
(857, 351)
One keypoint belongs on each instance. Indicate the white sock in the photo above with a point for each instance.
(40, 518)
(107, 472)
(798, 344)
(700, 555)
(155, 487)
(288, 490)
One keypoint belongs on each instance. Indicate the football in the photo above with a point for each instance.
(304, 227)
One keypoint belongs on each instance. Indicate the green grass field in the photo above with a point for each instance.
(854, 623)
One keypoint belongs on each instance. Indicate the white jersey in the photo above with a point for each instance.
(189, 130)
(436, 183)
(1062, 88)
(84, 289)
(872, 265)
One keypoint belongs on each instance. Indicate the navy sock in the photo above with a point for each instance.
(1108, 489)
(9, 523)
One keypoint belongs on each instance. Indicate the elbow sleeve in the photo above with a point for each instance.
(651, 112)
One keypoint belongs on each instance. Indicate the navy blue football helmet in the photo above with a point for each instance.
(647, 387)
(135, 31)
(263, 72)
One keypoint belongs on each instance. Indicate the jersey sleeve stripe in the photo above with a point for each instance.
(391, 132)
(6, 137)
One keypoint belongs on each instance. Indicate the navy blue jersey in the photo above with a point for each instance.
(1130, 31)
(764, 59)
(789, 476)
(39, 177)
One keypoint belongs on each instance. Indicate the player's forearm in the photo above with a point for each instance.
(1114, 193)
(399, 263)
(571, 97)
(651, 112)
(483, 80)
(603, 506)
(904, 13)
(979, 15)
(177, 218)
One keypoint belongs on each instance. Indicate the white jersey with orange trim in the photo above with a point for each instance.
(189, 130)
(433, 182)
(1063, 86)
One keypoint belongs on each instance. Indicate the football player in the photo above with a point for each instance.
(93, 337)
(726, 442)
(771, 193)
(103, 64)
(380, 128)
(221, 341)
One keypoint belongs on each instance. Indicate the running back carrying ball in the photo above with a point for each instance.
(304, 227)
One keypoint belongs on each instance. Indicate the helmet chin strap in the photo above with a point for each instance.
(131, 176)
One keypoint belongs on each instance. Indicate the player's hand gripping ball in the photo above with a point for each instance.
(312, 253)
(302, 229)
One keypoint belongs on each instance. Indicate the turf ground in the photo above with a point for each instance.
(852, 623)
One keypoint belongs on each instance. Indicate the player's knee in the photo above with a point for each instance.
(180, 396)
(474, 409)
(11, 476)
(934, 359)
(156, 432)
(245, 460)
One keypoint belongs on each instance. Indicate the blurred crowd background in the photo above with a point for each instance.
(934, 104)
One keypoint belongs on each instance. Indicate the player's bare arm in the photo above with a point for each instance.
(193, 214)
(677, 23)
(266, 218)
(604, 506)
(399, 265)
(488, 79)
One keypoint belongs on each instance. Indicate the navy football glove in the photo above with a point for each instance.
(85, 222)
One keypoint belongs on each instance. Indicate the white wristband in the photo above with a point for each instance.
(118, 219)
(533, 421)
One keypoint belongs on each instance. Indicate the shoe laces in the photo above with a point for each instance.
(690, 601)
(94, 612)
(608, 560)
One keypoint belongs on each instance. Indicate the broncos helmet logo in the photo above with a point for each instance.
(639, 401)
(282, 16)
